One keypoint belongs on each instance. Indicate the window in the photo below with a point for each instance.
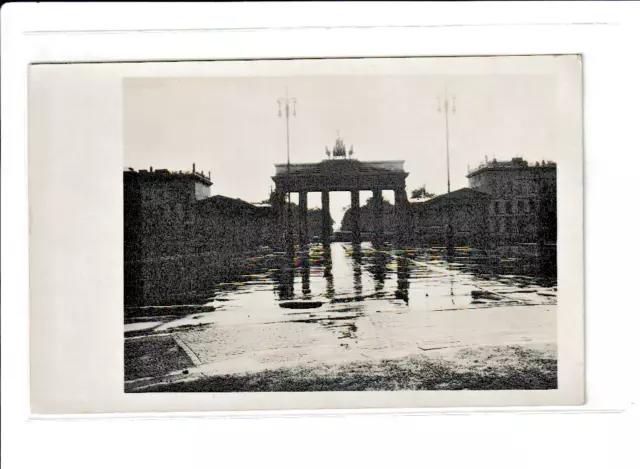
(522, 224)
(521, 207)
(508, 206)
(179, 212)
(496, 207)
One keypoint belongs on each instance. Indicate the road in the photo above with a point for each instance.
(349, 305)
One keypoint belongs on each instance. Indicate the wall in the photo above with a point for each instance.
(167, 217)
(231, 224)
(202, 191)
(468, 209)
(132, 237)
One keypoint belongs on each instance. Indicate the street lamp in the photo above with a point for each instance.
(289, 107)
(446, 126)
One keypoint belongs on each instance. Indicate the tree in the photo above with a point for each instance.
(271, 200)
(368, 216)
(370, 201)
(421, 193)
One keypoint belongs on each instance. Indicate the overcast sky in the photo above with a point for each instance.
(229, 125)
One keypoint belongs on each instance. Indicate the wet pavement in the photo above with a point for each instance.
(351, 303)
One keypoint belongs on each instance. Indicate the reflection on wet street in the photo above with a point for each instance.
(347, 303)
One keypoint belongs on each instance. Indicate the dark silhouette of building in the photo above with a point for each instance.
(159, 217)
(523, 206)
(465, 209)
(178, 240)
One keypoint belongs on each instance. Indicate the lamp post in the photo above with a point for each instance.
(288, 104)
(446, 126)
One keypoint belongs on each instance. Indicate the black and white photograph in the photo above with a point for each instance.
(390, 231)
(263, 228)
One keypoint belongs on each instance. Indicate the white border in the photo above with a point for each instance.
(76, 147)
(608, 38)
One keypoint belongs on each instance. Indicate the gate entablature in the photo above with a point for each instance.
(340, 175)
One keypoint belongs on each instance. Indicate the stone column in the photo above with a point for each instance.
(326, 218)
(378, 217)
(285, 220)
(280, 218)
(355, 217)
(302, 219)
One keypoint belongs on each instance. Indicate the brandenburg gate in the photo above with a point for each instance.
(342, 174)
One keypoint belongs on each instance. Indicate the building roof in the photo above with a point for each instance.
(516, 163)
(460, 195)
(330, 165)
(165, 174)
(227, 204)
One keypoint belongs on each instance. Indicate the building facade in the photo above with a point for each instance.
(159, 223)
(523, 200)
(159, 210)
